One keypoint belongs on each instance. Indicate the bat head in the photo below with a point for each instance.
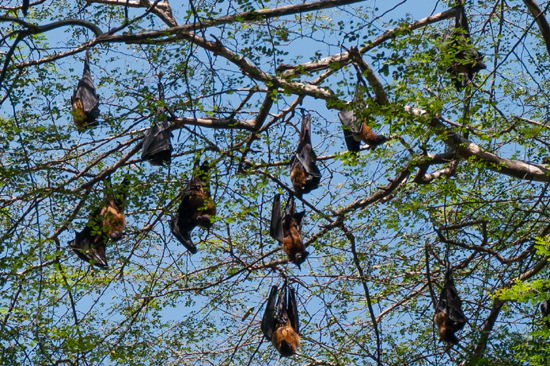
(300, 258)
(380, 140)
(116, 235)
(204, 221)
(287, 349)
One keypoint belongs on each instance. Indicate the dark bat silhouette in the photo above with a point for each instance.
(280, 323)
(157, 148)
(25, 7)
(106, 222)
(468, 61)
(196, 207)
(85, 101)
(356, 131)
(286, 229)
(304, 174)
(449, 317)
(545, 311)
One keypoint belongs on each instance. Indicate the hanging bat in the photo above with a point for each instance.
(545, 311)
(157, 148)
(468, 61)
(25, 7)
(85, 101)
(356, 131)
(196, 207)
(304, 174)
(449, 317)
(106, 222)
(280, 323)
(286, 230)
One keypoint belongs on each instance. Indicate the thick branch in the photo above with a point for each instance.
(256, 73)
(131, 4)
(213, 122)
(17, 7)
(372, 79)
(227, 123)
(544, 28)
(36, 29)
(467, 149)
(497, 306)
(345, 58)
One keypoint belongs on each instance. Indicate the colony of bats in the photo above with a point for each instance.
(280, 323)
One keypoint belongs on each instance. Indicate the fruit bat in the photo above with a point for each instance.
(286, 230)
(304, 174)
(356, 131)
(157, 148)
(280, 323)
(196, 207)
(106, 222)
(85, 100)
(468, 61)
(449, 317)
(545, 311)
(25, 7)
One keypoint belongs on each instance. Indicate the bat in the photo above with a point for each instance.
(286, 228)
(280, 323)
(545, 311)
(25, 7)
(157, 148)
(85, 101)
(196, 207)
(356, 131)
(106, 222)
(449, 317)
(468, 61)
(304, 174)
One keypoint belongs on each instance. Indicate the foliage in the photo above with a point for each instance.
(464, 176)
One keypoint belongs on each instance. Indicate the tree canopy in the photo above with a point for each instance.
(463, 177)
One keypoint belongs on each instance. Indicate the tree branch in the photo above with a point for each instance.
(544, 27)
(466, 149)
(344, 58)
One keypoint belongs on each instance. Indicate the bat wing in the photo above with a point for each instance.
(276, 227)
(305, 132)
(181, 227)
(90, 247)
(348, 118)
(292, 310)
(282, 315)
(157, 147)
(299, 218)
(268, 320)
(290, 208)
(350, 123)
(307, 158)
(86, 93)
(450, 303)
